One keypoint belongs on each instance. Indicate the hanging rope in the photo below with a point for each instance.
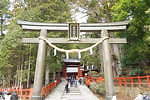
(91, 51)
(79, 51)
(55, 52)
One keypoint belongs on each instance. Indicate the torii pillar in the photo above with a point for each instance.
(109, 85)
(39, 70)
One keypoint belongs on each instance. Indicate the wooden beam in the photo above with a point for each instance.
(82, 29)
(122, 23)
(83, 41)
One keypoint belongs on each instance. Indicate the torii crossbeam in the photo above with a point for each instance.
(84, 27)
(83, 41)
(104, 28)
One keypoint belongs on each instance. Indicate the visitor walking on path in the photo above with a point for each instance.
(67, 87)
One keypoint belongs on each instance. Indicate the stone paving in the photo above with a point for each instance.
(76, 93)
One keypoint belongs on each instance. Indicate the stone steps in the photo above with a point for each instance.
(74, 94)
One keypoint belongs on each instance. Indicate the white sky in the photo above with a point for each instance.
(79, 17)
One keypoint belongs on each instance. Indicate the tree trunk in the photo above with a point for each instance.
(20, 83)
(116, 60)
(29, 67)
(28, 77)
(47, 75)
(54, 76)
(18, 74)
(101, 59)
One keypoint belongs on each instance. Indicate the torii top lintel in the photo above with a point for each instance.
(84, 27)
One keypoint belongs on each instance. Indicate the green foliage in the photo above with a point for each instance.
(54, 63)
(137, 12)
(3, 5)
(9, 46)
(137, 49)
(50, 11)
(98, 88)
(14, 54)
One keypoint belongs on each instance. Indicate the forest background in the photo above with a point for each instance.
(17, 60)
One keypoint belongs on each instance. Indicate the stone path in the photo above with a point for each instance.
(76, 93)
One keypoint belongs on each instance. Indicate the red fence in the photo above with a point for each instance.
(132, 81)
(26, 94)
(48, 88)
(22, 93)
(123, 81)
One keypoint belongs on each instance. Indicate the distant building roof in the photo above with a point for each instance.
(72, 60)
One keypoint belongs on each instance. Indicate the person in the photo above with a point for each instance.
(71, 82)
(14, 96)
(7, 96)
(80, 81)
(76, 81)
(67, 87)
(2, 96)
(88, 83)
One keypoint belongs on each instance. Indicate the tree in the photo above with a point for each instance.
(3, 12)
(137, 49)
(11, 48)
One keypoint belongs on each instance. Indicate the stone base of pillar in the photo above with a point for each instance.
(111, 98)
(37, 98)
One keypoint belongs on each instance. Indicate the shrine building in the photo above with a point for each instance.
(72, 67)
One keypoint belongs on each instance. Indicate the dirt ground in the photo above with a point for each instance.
(128, 93)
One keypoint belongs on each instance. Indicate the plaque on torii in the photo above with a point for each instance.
(73, 30)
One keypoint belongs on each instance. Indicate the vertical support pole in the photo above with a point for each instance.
(109, 85)
(39, 70)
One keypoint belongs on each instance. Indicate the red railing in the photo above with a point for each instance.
(132, 81)
(123, 81)
(26, 94)
(22, 93)
(48, 88)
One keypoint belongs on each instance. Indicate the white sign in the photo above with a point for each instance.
(72, 69)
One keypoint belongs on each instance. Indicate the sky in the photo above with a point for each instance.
(78, 16)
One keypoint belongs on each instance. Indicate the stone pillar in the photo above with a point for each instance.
(109, 85)
(39, 70)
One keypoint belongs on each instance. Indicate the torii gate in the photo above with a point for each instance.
(104, 28)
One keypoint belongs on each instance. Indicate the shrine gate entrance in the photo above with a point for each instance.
(72, 68)
(73, 37)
